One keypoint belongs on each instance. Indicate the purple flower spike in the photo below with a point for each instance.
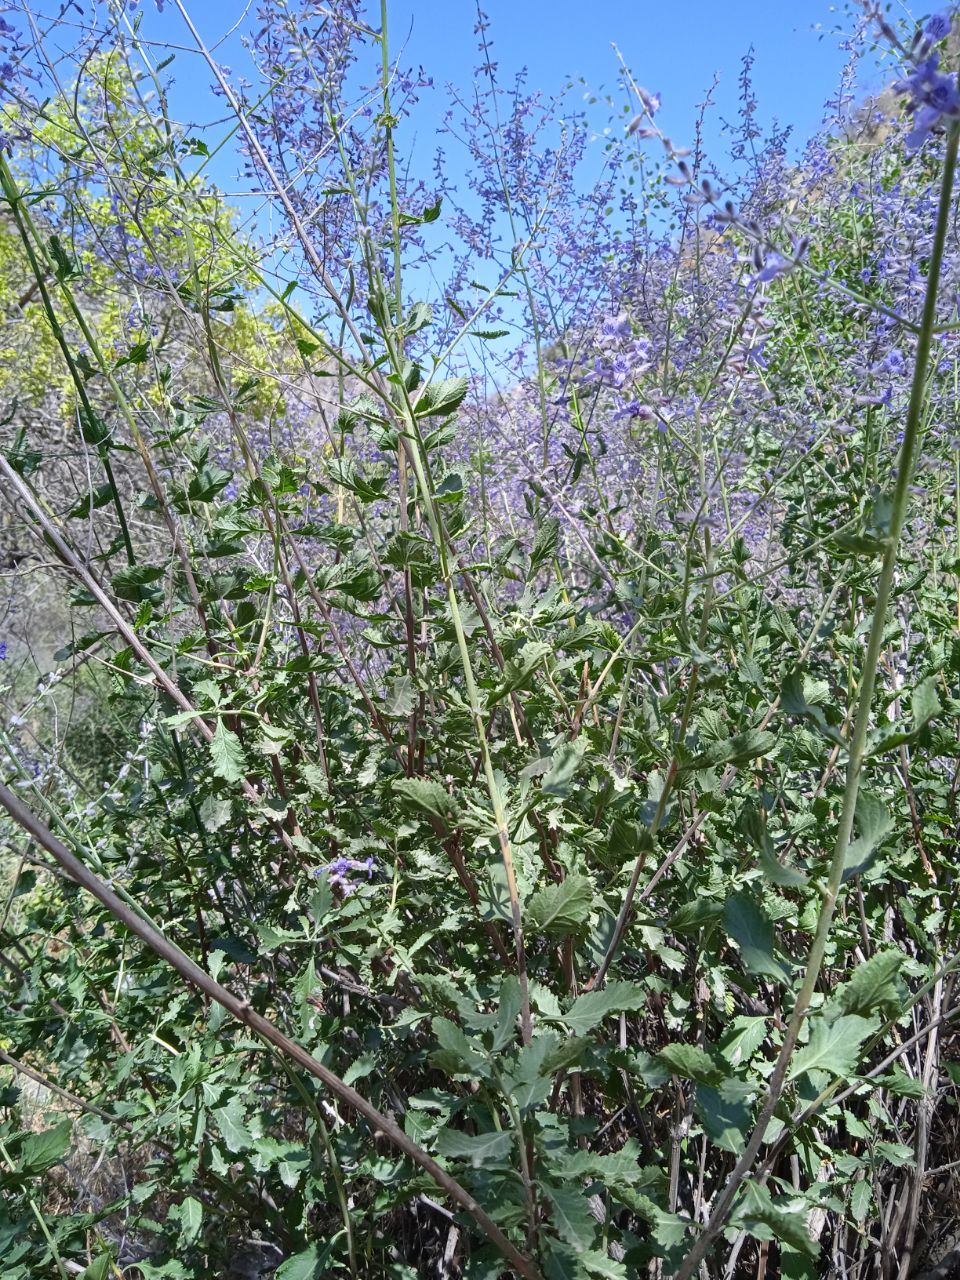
(339, 871)
(937, 28)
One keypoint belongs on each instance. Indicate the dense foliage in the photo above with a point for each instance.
(479, 759)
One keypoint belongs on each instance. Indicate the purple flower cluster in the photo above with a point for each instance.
(933, 94)
(338, 872)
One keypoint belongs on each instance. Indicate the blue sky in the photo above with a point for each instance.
(673, 48)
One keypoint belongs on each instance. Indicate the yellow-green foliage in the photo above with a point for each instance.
(188, 255)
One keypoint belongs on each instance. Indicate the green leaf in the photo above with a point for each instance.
(41, 1151)
(510, 1003)
(419, 316)
(226, 754)
(924, 706)
(692, 1063)
(518, 670)
(925, 703)
(588, 1010)
(833, 1047)
(758, 1210)
(441, 397)
(215, 812)
(861, 1197)
(531, 1081)
(739, 750)
(896, 1153)
(463, 1052)
(191, 1219)
(545, 543)
(793, 701)
(209, 480)
(752, 930)
(484, 1149)
(874, 823)
(598, 1264)
(402, 697)
(129, 583)
(725, 1118)
(100, 1269)
(308, 1265)
(571, 1215)
(97, 497)
(430, 796)
(231, 1120)
(561, 908)
(743, 1038)
(559, 777)
(873, 985)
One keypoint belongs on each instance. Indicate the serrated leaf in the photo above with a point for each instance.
(739, 750)
(428, 795)
(41, 1151)
(571, 1216)
(743, 1038)
(896, 1153)
(558, 779)
(599, 1264)
(510, 1002)
(752, 930)
(226, 754)
(874, 823)
(793, 701)
(861, 1197)
(215, 812)
(402, 697)
(873, 985)
(561, 908)
(725, 1118)
(311, 1264)
(231, 1120)
(691, 1063)
(518, 670)
(482, 1149)
(419, 316)
(790, 1226)
(588, 1010)
(454, 1043)
(191, 1219)
(441, 397)
(545, 543)
(924, 707)
(833, 1047)
(531, 1081)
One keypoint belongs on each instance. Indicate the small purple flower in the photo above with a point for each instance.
(775, 265)
(651, 101)
(3, 650)
(339, 871)
(937, 28)
(616, 327)
(933, 95)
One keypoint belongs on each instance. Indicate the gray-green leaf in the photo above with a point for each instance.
(588, 1010)
(484, 1149)
(226, 754)
(561, 908)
